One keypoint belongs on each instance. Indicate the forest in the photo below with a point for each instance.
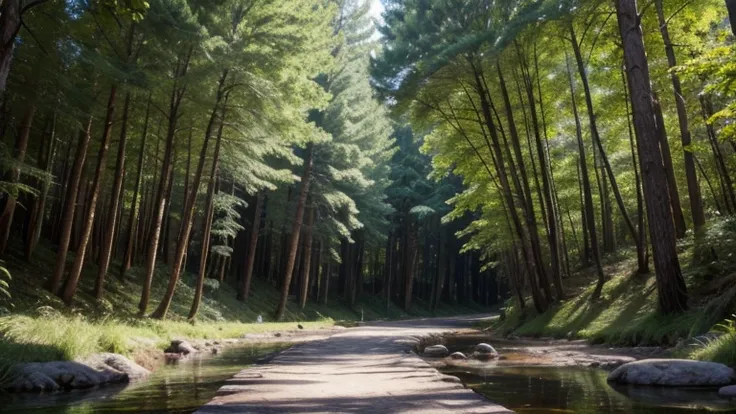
(472, 152)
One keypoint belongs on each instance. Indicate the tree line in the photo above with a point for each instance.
(233, 139)
(577, 127)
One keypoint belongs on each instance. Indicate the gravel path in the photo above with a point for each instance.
(361, 370)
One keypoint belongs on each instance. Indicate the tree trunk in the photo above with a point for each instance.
(75, 273)
(326, 273)
(599, 145)
(39, 206)
(678, 217)
(731, 6)
(185, 226)
(21, 145)
(9, 26)
(117, 188)
(537, 275)
(727, 182)
(177, 95)
(252, 245)
(307, 260)
(693, 188)
(547, 187)
(410, 256)
(296, 229)
(587, 193)
(135, 216)
(670, 283)
(206, 241)
(70, 205)
(642, 250)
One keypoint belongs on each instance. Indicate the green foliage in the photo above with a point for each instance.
(5, 279)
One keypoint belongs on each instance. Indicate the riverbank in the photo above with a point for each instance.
(35, 326)
(627, 315)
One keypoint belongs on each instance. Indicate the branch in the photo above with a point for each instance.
(31, 5)
(687, 3)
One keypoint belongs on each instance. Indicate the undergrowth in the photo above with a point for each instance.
(627, 312)
(37, 326)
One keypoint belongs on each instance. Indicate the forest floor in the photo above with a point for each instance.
(37, 326)
(626, 314)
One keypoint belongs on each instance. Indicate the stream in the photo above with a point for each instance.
(527, 383)
(181, 388)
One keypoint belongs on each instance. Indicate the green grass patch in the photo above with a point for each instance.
(626, 314)
(36, 326)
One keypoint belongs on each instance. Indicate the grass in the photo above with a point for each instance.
(37, 326)
(627, 312)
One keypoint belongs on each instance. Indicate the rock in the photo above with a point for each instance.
(484, 348)
(458, 355)
(436, 351)
(727, 391)
(215, 351)
(173, 358)
(179, 346)
(484, 352)
(672, 372)
(123, 365)
(277, 334)
(98, 369)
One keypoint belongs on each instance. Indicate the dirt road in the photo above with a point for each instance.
(369, 369)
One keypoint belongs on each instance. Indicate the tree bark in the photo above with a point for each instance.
(589, 218)
(75, 273)
(597, 141)
(553, 239)
(185, 226)
(678, 217)
(252, 246)
(671, 287)
(134, 214)
(693, 188)
(307, 259)
(177, 95)
(117, 188)
(206, 241)
(10, 14)
(731, 6)
(296, 229)
(642, 251)
(70, 205)
(39, 206)
(21, 145)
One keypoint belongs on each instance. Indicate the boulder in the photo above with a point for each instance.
(458, 356)
(119, 363)
(179, 346)
(728, 391)
(672, 372)
(57, 375)
(484, 348)
(436, 351)
(484, 351)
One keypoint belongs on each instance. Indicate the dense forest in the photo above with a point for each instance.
(230, 139)
(452, 151)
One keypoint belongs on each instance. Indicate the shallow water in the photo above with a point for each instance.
(179, 388)
(523, 383)
(583, 390)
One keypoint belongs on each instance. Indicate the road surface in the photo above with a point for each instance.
(369, 369)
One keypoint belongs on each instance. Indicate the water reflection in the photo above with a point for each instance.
(172, 389)
(583, 390)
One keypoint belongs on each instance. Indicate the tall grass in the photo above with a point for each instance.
(59, 337)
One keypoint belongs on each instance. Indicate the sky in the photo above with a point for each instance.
(376, 8)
